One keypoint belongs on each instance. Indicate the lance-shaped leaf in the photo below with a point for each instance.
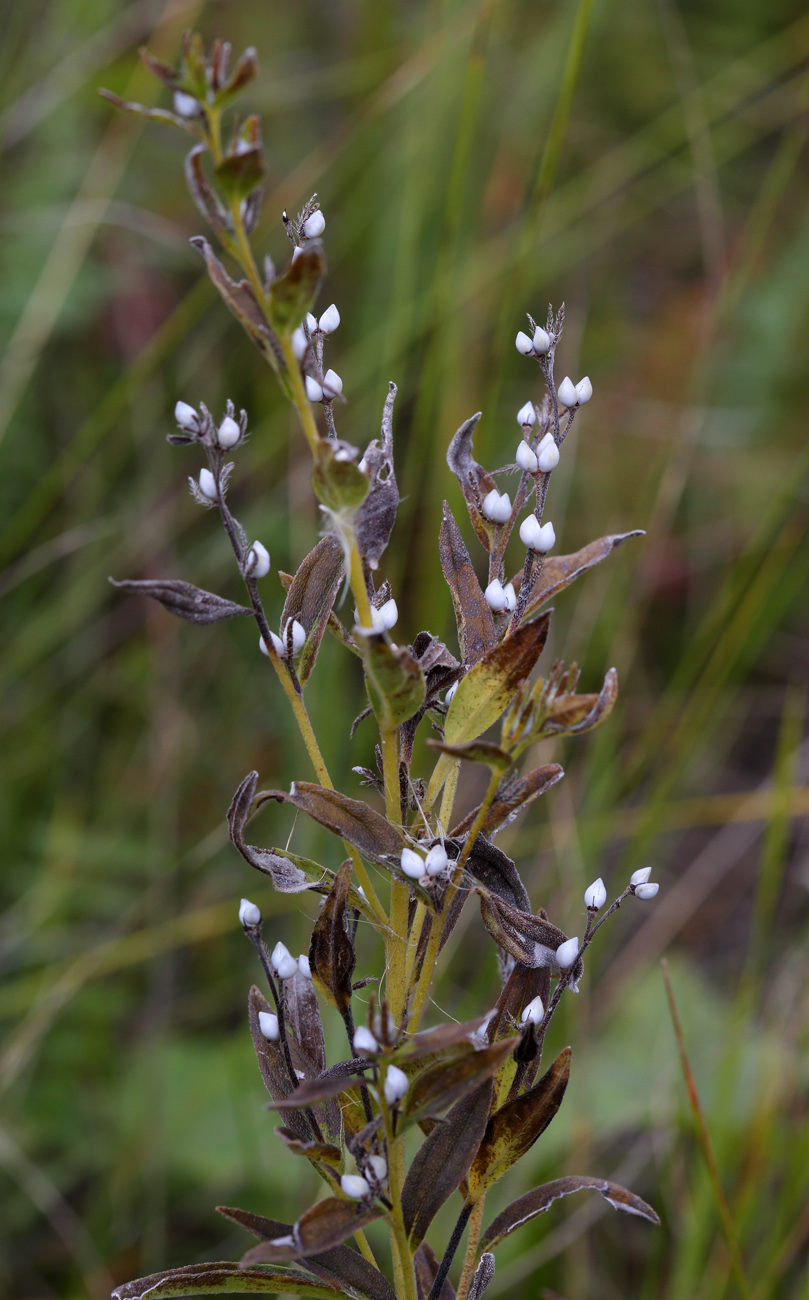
(241, 300)
(483, 1276)
(374, 520)
(476, 631)
(271, 1061)
(312, 1091)
(489, 686)
(558, 571)
(511, 797)
(532, 940)
(570, 715)
(425, 1266)
(322, 1151)
(475, 482)
(292, 294)
(351, 819)
(184, 599)
(540, 1199)
(394, 681)
(331, 952)
(443, 1160)
(241, 173)
(431, 1041)
(303, 1017)
(443, 1084)
(515, 1127)
(287, 875)
(320, 1228)
(310, 597)
(523, 985)
(155, 114)
(204, 195)
(244, 72)
(476, 751)
(222, 1279)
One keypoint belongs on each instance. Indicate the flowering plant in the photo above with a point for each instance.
(477, 1090)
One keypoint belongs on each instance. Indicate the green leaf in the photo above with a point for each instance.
(293, 293)
(221, 1279)
(540, 1199)
(339, 483)
(488, 687)
(241, 173)
(394, 681)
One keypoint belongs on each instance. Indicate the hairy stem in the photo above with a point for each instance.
(449, 1253)
(470, 1258)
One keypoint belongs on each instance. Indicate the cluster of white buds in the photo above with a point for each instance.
(354, 1185)
(268, 1024)
(207, 485)
(534, 1012)
(282, 962)
(249, 915)
(314, 226)
(257, 564)
(436, 862)
(382, 619)
(596, 896)
(644, 889)
(412, 864)
(298, 640)
(571, 394)
(536, 346)
(331, 387)
(396, 1085)
(497, 506)
(186, 417)
(567, 953)
(364, 1042)
(499, 597)
(536, 536)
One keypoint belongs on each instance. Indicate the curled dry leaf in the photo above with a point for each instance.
(532, 940)
(373, 522)
(476, 631)
(311, 595)
(570, 715)
(444, 1160)
(351, 819)
(331, 951)
(303, 1017)
(241, 300)
(320, 1228)
(287, 875)
(204, 195)
(185, 600)
(322, 1151)
(540, 1199)
(474, 481)
(558, 571)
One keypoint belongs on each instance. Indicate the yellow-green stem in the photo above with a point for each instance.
(439, 775)
(404, 1276)
(448, 799)
(358, 587)
(365, 1249)
(475, 1225)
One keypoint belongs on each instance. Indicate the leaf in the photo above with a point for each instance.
(570, 715)
(475, 482)
(476, 751)
(204, 195)
(488, 687)
(393, 679)
(241, 300)
(443, 1160)
(435, 1040)
(244, 72)
(374, 520)
(241, 173)
(476, 631)
(312, 1091)
(323, 1151)
(220, 1279)
(494, 869)
(323, 1226)
(331, 952)
(287, 876)
(271, 1061)
(425, 1265)
(483, 1276)
(532, 940)
(185, 600)
(292, 294)
(523, 985)
(338, 481)
(302, 1014)
(540, 1199)
(351, 819)
(155, 114)
(515, 1127)
(558, 571)
(445, 1083)
(311, 595)
(512, 796)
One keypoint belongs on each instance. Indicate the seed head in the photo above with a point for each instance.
(524, 344)
(364, 1042)
(534, 1012)
(313, 390)
(527, 414)
(645, 892)
(186, 417)
(207, 485)
(329, 320)
(640, 876)
(412, 864)
(567, 392)
(436, 861)
(541, 341)
(228, 433)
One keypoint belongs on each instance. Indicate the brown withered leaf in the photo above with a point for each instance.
(558, 571)
(323, 1151)
(532, 940)
(476, 751)
(430, 1041)
(443, 1160)
(425, 1265)
(241, 301)
(320, 1228)
(374, 520)
(483, 1276)
(443, 1084)
(523, 985)
(184, 599)
(515, 1127)
(540, 1199)
(351, 819)
(475, 482)
(303, 1018)
(221, 1279)
(570, 715)
(311, 595)
(494, 869)
(476, 631)
(511, 797)
(271, 1061)
(489, 686)
(204, 195)
(331, 952)
(311, 1091)
(287, 875)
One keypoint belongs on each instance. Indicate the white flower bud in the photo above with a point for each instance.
(412, 865)
(298, 636)
(527, 414)
(388, 614)
(185, 105)
(315, 225)
(533, 1012)
(228, 433)
(524, 344)
(304, 967)
(511, 597)
(313, 390)
(311, 322)
(548, 457)
(436, 861)
(268, 1024)
(497, 507)
(646, 892)
(287, 967)
(396, 1085)
(296, 252)
(207, 485)
(547, 539)
(584, 390)
(258, 561)
(537, 537)
(542, 340)
(596, 895)
(332, 384)
(249, 915)
(299, 342)
(278, 954)
(186, 417)
(526, 458)
(379, 1167)
(495, 596)
(451, 692)
(640, 876)
(567, 392)
(567, 953)
(354, 1185)
(278, 645)
(364, 1042)
(329, 320)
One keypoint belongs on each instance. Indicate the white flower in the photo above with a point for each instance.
(495, 596)
(388, 614)
(249, 915)
(533, 1012)
(596, 895)
(268, 1024)
(645, 892)
(186, 417)
(524, 344)
(314, 225)
(451, 692)
(548, 457)
(542, 340)
(282, 961)
(511, 597)
(584, 390)
(379, 1167)
(258, 561)
(567, 392)
(641, 876)
(329, 320)
(567, 953)
(396, 1085)
(497, 507)
(354, 1185)
(207, 485)
(527, 414)
(185, 105)
(526, 458)
(364, 1042)
(332, 384)
(412, 865)
(313, 390)
(228, 433)
(299, 342)
(537, 537)
(436, 861)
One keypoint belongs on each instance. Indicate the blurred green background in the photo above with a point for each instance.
(645, 161)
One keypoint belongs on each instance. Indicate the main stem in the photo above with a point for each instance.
(404, 1274)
